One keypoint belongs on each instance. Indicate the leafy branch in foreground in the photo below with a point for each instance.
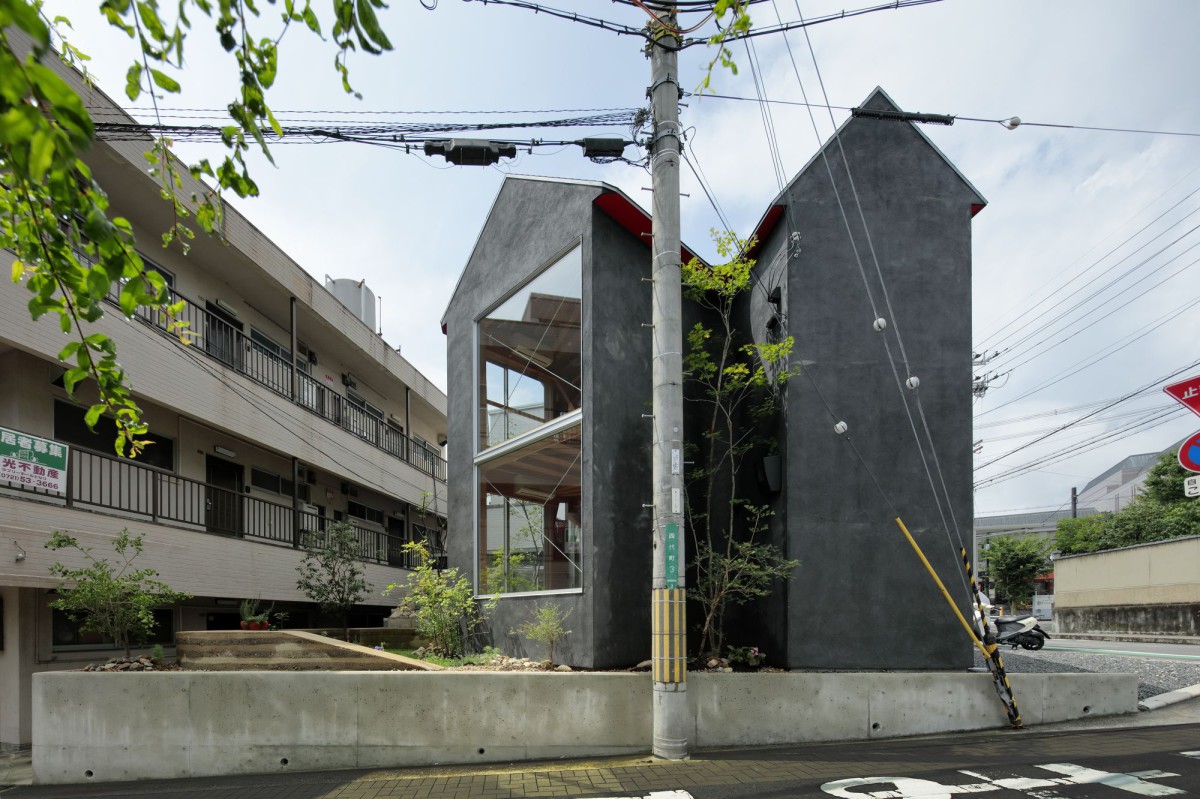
(54, 217)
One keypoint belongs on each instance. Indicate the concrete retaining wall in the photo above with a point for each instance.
(1147, 589)
(107, 727)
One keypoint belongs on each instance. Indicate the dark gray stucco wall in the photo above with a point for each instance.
(860, 597)
(618, 393)
(532, 222)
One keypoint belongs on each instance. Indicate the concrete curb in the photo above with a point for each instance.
(1169, 698)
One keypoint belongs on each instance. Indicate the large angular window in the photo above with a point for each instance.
(529, 462)
(530, 370)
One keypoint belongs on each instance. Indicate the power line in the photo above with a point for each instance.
(1044, 414)
(1100, 356)
(1074, 450)
(1118, 401)
(1030, 309)
(1111, 283)
(1099, 420)
(956, 117)
(1096, 308)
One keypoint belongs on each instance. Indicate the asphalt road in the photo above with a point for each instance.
(1167, 651)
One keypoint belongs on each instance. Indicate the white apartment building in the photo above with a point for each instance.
(285, 413)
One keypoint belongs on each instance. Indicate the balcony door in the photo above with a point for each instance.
(223, 506)
(221, 335)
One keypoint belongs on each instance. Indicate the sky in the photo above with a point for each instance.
(1084, 280)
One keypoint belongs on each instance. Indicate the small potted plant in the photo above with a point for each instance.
(252, 618)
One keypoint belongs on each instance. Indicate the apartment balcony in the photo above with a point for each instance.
(219, 340)
(120, 487)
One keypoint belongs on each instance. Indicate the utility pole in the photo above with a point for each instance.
(668, 623)
(1074, 503)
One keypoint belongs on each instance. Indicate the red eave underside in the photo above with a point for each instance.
(634, 219)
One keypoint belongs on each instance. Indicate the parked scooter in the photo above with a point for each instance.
(1022, 631)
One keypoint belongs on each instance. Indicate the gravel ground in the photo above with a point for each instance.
(1155, 675)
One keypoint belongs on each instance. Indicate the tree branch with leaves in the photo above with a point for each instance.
(72, 254)
(737, 384)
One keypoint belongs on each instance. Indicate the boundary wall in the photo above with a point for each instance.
(96, 727)
(1146, 589)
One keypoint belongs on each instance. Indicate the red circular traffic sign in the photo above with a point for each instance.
(1189, 453)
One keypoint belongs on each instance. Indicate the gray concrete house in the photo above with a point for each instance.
(549, 386)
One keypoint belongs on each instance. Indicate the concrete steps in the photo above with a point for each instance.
(283, 650)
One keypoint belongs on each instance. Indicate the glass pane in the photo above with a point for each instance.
(530, 529)
(530, 367)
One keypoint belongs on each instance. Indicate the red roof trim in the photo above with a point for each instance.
(625, 213)
(769, 221)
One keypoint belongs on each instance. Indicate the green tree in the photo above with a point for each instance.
(331, 573)
(117, 601)
(1014, 561)
(70, 252)
(736, 386)
(1162, 511)
(442, 601)
(546, 627)
(1164, 481)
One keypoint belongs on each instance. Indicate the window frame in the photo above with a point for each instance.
(547, 429)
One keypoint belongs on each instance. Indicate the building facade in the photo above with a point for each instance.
(860, 597)
(283, 412)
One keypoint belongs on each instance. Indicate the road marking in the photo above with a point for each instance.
(1162, 655)
(656, 795)
(1126, 782)
(913, 788)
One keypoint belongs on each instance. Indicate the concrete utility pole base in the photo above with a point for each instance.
(670, 718)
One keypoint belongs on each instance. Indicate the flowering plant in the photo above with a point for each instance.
(748, 656)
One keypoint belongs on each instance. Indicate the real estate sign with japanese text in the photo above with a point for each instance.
(33, 462)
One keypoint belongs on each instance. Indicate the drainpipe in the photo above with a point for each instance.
(295, 393)
(296, 542)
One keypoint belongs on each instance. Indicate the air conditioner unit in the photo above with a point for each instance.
(348, 380)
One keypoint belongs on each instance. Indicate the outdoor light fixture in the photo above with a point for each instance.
(471, 152)
(21, 554)
(226, 307)
(228, 453)
(532, 493)
(561, 515)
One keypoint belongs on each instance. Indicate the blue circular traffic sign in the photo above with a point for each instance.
(1189, 453)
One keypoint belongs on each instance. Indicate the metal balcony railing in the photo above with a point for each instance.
(223, 342)
(120, 487)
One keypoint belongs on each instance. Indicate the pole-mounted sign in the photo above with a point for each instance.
(1187, 392)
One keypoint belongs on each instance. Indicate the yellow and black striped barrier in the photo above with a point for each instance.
(669, 658)
(987, 646)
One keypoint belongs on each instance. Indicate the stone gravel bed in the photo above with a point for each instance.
(1155, 675)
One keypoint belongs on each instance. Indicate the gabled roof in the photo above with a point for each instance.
(877, 100)
(618, 205)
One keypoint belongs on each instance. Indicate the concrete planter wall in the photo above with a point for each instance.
(111, 727)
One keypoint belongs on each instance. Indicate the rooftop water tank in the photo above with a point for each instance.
(355, 295)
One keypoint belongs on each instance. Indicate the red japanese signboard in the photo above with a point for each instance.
(1187, 392)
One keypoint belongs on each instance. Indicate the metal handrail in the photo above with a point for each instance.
(223, 342)
(120, 487)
